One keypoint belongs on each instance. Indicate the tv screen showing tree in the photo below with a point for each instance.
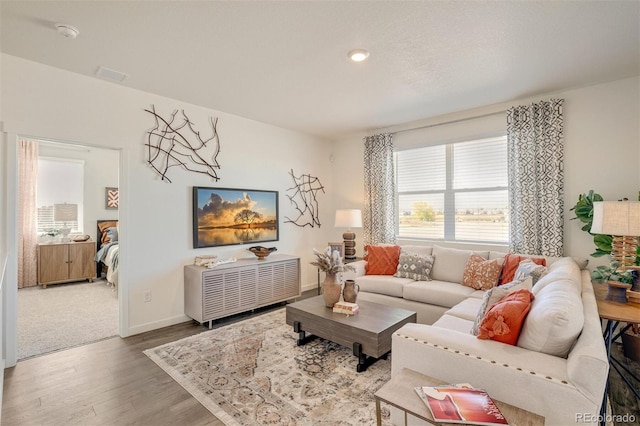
(224, 216)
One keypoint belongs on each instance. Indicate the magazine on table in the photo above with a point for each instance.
(461, 404)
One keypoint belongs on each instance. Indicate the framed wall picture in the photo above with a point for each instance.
(111, 198)
(227, 216)
(338, 246)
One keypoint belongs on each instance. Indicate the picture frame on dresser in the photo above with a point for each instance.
(339, 247)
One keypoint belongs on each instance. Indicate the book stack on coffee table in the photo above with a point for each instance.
(346, 308)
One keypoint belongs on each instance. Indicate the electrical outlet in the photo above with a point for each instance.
(147, 296)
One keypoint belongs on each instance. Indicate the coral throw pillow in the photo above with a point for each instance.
(480, 273)
(381, 260)
(511, 262)
(504, 319)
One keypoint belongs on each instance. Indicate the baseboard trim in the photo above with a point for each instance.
(150, 326)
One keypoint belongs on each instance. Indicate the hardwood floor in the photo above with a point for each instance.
(110, 382)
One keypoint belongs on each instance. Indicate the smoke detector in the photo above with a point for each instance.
(67, 30)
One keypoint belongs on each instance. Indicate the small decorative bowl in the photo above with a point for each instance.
(261, 252)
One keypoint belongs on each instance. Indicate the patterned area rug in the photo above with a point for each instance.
(253, 373)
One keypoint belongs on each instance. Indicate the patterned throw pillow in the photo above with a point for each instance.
(480, 273)
(528, 268)
(504, 319)
(493, 295)
(415, 266)
(511, 263)
(381, 260)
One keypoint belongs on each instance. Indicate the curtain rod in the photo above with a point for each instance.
(450, 122)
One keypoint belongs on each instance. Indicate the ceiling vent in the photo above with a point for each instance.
(109, 74)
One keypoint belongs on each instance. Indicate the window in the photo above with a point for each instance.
(454, 192)
(59, 181)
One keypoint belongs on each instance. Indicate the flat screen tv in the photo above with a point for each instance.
(225, 216)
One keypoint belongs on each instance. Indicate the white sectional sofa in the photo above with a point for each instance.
(559, 367)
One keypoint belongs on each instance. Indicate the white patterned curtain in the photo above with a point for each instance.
(536, 178)
(27, 214)
(379, 216)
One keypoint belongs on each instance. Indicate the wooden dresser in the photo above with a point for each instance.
(66, 262)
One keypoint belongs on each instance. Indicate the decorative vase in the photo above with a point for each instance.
(350, 292)
(617, 291)
(331, 290)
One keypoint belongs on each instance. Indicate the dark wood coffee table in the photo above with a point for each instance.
(368, 332)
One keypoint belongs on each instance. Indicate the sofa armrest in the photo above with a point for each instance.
(509, 373)
(359, 270)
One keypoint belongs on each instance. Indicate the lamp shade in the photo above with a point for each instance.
(65, 212)
(348, 218)
(616, 218)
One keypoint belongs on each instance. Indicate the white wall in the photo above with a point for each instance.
(602, 147)
(155, 216)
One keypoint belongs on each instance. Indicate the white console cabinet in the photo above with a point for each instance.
(240, 286)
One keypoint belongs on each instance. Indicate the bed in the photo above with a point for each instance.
(107, 251)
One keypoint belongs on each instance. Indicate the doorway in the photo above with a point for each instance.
(59, 311)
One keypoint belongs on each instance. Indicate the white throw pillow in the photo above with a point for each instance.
(494, 295)
(555, 319)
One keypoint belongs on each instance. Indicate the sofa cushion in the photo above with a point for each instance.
(564, 268)
(383, 284)
(555, 320)
(467, 309)
(415, 266)
(503, 321)
(582, 262)
(480, 273)
(381, 260)
(450, 263)
(453, 323)
(494, 295)
(439, 293)
(511, 262)
(416, 249)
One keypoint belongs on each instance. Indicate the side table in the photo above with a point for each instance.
(614, 313)
(345, 261)
(399, 392)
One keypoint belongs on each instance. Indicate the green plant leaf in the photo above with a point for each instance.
(603, 242)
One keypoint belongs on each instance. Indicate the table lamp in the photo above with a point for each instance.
(349, 218)
(621, 220)
(65, 213)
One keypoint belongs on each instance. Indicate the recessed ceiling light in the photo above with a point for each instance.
(358, 55)
(68, 31)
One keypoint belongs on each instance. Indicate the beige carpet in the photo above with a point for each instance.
(253, 373)
(65, 315)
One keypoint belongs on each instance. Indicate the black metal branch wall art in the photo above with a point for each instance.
(174, 142)
(305, 188)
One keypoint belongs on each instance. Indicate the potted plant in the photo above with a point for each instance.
(618, 280)
(583, 210)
